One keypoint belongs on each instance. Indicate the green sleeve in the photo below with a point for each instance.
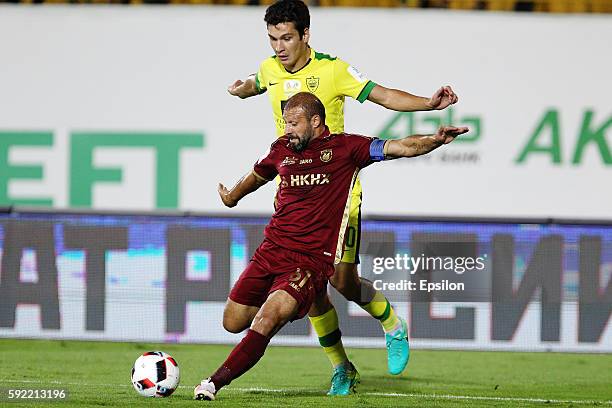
(365, 92)
(260, 89)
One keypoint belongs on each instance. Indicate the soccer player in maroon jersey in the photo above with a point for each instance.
(304, 239)
(296, 67)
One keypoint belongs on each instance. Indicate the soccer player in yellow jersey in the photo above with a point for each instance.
(295, 67)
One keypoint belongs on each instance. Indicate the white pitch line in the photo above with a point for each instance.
(316, 392)
(434, 396)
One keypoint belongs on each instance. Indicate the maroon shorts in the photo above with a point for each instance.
(273, 268)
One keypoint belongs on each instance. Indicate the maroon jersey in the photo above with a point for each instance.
(313, 198)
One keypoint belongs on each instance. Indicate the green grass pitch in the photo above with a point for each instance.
(98, 374)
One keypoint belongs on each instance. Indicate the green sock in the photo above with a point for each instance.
(381, 309)
(330, 338)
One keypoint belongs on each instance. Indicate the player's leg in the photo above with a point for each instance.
(349, 284)
(290, 295)
(238, 317)
(247, 295)
(245, 300)
(277, 310)
(324, 319)
(361, 291)
(377, 305)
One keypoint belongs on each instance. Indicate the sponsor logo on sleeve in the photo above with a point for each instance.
(360, 77)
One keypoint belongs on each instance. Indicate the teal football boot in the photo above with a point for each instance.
(398, 349)
(344, 380)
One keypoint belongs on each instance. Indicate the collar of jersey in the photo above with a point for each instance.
(326, 134)
(312, 55)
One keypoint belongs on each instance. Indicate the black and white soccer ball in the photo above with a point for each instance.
(155, 374)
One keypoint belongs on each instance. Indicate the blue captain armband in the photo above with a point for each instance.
(377, 150)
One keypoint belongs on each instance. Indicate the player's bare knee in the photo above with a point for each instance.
(233, 326)
(267, 323)
(230, 328)
(237, 317)
(277, 310)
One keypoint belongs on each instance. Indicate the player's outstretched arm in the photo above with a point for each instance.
(402, 101)
(417, 145)
(244, 186)
(244, 89)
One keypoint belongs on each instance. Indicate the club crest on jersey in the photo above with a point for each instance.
(312, 84)
(326, 155)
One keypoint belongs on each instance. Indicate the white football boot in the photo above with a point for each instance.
(205, 391)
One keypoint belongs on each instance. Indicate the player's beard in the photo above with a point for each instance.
(303, 141)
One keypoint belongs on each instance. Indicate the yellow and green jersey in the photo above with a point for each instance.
(329, 78)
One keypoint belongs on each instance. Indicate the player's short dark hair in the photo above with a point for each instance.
(289, 11)
(310, 104)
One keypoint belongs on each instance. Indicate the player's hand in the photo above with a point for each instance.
(225, 196)
(234, 89)
(447, 134)
(443, 97)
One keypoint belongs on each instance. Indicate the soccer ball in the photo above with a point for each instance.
(155, 374)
